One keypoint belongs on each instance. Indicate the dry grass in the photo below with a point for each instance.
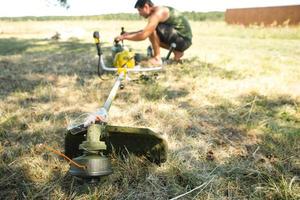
(230, 113)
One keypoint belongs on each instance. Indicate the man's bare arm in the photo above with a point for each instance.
(153, 21)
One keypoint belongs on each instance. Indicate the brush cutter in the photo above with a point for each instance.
(90, 141)
(123, 56)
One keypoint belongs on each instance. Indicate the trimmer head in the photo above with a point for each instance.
(93, 163)
(96, 166)
(106, 139)
(122, 140)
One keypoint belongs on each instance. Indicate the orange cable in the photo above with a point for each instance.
(64, 156)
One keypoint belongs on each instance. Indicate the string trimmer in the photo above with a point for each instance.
(90, 142)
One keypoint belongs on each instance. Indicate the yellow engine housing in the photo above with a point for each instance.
(124, 59)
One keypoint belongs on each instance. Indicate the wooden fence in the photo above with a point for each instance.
(280, 15)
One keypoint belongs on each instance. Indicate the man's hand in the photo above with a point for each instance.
(121, 37)
(118, 38)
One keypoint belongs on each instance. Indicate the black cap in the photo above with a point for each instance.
(141, 3)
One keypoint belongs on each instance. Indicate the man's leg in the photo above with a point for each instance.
(177, 54)
(155, 42)
(163, 37)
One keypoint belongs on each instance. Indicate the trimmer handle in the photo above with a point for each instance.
(122, 31)
(172, 47)
(116, 42)
(96, 37)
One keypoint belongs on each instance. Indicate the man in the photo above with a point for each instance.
(165, 26)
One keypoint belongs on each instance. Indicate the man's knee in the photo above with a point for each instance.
(182, 44)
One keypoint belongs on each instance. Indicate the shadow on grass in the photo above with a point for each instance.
(29, 64)
(14, 46)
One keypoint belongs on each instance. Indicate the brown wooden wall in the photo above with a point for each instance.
(265, 15)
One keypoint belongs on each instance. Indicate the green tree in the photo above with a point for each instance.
(64, 3)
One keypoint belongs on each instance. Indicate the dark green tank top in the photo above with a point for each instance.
(179, 22)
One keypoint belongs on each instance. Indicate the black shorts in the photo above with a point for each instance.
(168, 35)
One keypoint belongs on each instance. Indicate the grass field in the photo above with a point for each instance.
(230, 112)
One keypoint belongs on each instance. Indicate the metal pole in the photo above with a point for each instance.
(113, 92)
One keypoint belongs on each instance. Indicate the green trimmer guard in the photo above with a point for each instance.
(91, 148)
(122, 140)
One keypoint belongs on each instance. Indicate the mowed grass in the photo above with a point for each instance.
(230, 113)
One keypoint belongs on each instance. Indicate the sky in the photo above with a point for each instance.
(17, 8)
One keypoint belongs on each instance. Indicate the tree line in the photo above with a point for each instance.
(195, 16)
